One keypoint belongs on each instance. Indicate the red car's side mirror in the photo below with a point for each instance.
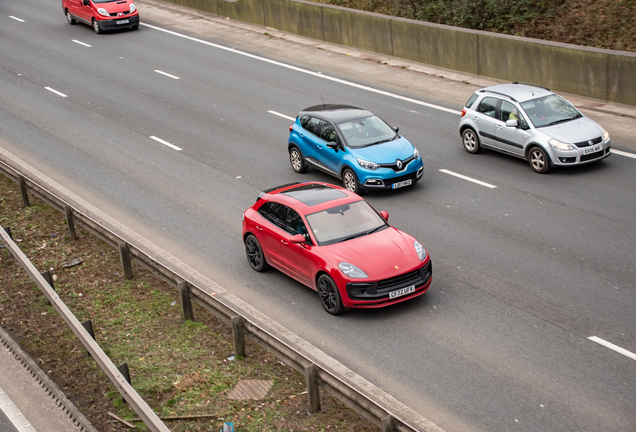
(385, 215)
(298, 238)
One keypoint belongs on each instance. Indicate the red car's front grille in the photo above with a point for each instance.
(123, 13)
(380, 290)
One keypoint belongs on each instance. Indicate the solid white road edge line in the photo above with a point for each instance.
(55, 91)
(16, 18)
(166, 74)
(166, 143)
(613, 347)
(488, 185)
(622, 153)
(81, 43)
(282, 115)
(14, 414)
(308, 72)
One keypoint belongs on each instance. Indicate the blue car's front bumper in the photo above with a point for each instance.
(386, 178)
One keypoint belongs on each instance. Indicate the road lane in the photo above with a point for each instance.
(524, 273)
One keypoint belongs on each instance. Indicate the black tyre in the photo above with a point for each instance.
(254, 254)
(350, 180)
(297, 160)
(539, 161)
(471, 141)
(96, 27)
(70, 18)
(329, 295)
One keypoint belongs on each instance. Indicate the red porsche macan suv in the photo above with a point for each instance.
(333, 241)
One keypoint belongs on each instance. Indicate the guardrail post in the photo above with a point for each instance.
(186, 301)
(23, 189)
(123, 369)
(388, 424)
(8, 231)
(71, 224)
(88, 325)
(313, 392)
(239, 337)
(49, 279)
(124, 254)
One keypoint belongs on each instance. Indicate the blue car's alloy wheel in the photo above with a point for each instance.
(297, 160)
(350, 181)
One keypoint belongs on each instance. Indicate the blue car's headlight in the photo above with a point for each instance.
(351, 270)
(416, 154)
(368, 165)
(419, 249)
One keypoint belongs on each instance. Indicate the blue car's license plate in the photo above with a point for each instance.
(401, 184)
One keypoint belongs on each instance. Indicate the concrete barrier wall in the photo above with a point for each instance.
(598, 73)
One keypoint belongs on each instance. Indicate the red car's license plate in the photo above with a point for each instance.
(401, 292)
(122, 22)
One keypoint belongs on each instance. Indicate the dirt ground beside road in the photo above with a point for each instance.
(179, 368)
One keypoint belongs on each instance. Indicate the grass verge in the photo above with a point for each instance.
(179, 368)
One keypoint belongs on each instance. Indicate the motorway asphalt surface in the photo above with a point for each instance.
(524, 273)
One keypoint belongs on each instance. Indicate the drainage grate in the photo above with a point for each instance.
(51, 389)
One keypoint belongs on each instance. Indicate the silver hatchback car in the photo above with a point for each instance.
(532, 123)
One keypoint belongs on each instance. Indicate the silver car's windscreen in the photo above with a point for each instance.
(549, 110)
(366, 131)
(344, 222)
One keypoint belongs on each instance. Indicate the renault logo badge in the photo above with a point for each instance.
(399, 164)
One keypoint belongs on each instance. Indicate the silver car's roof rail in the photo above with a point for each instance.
(530, 84)
(499, 93)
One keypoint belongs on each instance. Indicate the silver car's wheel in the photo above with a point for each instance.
(96, 27)
(539, 160)
(329, 295)
(471, 141)
(70, 18)
(297, 161)
(350, 181)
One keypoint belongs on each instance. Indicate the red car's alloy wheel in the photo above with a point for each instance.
(329, 295)
(254, 253)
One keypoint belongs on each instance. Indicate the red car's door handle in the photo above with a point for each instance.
(284, 242)
(259, 228)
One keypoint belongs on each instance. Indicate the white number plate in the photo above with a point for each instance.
(402, 184)
(123, 22)
(401, 292)
(592, 149)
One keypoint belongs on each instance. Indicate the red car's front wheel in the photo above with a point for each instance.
(254, 254)
(329, 295)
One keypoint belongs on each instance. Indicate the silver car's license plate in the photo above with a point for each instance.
(402, 183)
(401, 292)
(123, 22)
(592, 149)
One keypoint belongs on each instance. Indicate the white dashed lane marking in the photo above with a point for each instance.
(622, 153)
(55, 91)
(16, 18)
(166, 74)
(82, 43)
(282, 115)
(613, 347)
(479, 182)
(166, 143)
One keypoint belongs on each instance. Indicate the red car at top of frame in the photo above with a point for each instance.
(335, 242)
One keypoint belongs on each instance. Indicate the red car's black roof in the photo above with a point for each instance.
(309, 197)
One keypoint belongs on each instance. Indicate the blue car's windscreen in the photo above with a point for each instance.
(344, 222)
(366, 131)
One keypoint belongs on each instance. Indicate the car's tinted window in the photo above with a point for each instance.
(295, 224)
(328, 133)
(303, 120)
(312, 125)
(472, 100)
(488, 106)
(508, 111)
(275, 213)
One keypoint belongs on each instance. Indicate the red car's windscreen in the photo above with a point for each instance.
(344, 222)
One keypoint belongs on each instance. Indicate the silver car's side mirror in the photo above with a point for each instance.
(512, 123)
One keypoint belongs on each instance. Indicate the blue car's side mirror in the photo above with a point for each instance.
(333, 145)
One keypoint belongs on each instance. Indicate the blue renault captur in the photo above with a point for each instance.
(355, 146)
